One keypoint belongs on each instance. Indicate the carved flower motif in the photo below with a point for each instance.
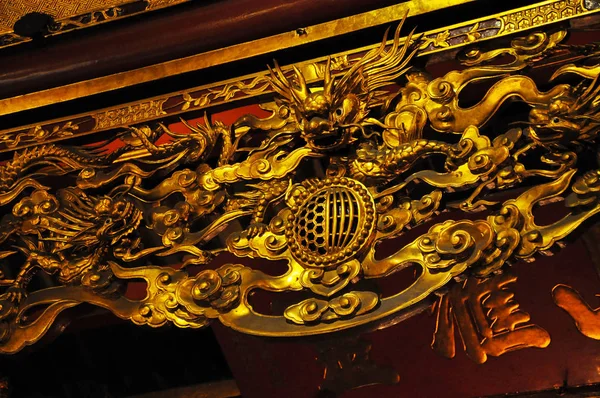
(441, 39)
(473, 34)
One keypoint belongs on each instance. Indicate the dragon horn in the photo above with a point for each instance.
(170, 133)
(302, 92)
(279, 82)
(587, 72)
(327, 80)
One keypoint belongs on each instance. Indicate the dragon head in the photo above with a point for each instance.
(116, 218)
(329, 116)
(572, 116)
(103, 219)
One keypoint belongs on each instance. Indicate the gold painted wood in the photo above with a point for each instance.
(377, 129)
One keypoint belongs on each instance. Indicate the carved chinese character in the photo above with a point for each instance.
(348, 365)
(488, 319)
(586, 319)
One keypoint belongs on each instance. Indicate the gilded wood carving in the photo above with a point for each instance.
(392, 159)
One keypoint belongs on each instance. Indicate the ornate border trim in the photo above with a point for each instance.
(218, 93)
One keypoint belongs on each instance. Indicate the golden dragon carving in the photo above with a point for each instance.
(396, 147)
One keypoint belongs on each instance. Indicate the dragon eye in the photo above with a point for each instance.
(555, 120)
(339, 111)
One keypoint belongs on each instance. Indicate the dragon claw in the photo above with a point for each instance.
(14, 294)
(256, 229)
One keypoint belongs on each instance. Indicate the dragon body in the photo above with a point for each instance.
(68, 234)
(385, 163)
(59, 158)
(193, 147)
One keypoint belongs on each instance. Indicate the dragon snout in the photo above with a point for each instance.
(317, 125)
(538, 116)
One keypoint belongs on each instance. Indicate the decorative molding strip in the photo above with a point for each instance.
(204, 97)
(130, 115)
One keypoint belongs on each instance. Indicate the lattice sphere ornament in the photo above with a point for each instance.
(331, 222)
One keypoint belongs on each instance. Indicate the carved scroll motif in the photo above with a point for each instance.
(392, 160)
